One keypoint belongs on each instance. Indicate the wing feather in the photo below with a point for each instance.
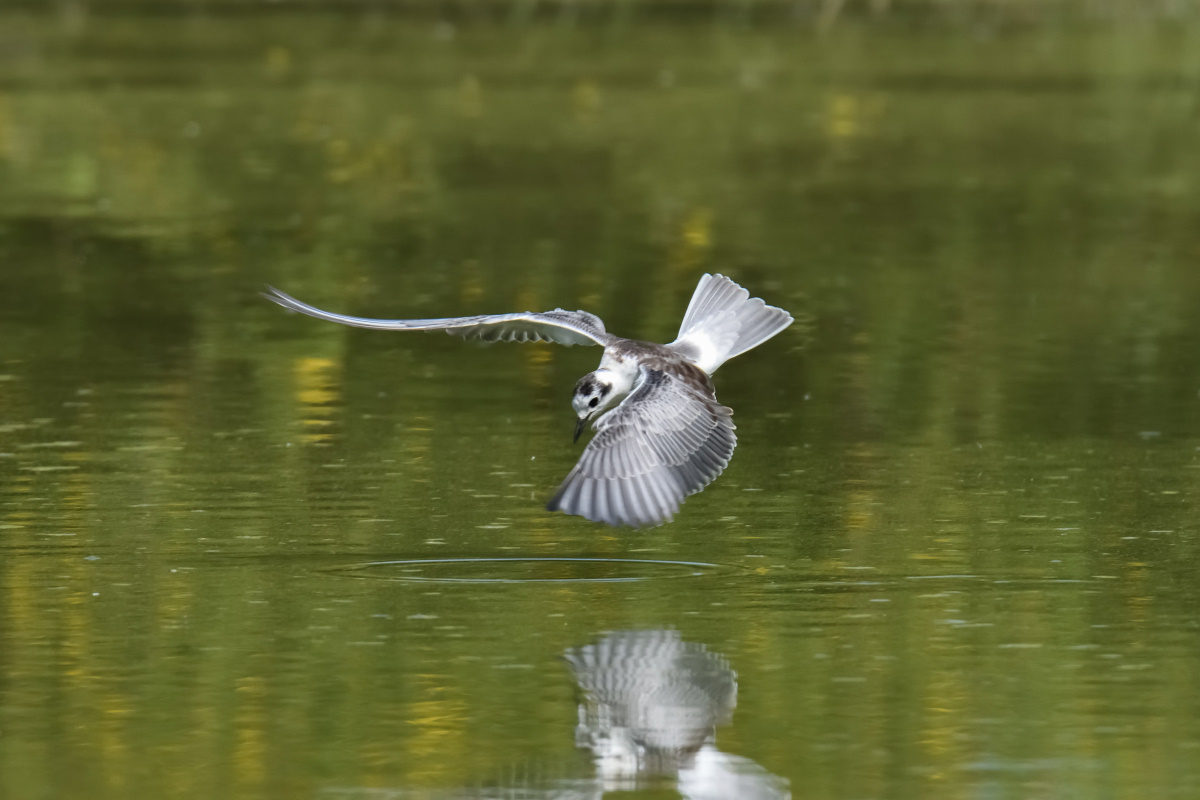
(559, 326)
(668, 439)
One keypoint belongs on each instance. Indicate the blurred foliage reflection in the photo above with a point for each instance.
(957, 544)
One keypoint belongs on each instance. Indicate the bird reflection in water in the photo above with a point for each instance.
(651, 706)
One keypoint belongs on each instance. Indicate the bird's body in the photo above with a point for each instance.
(661, 435)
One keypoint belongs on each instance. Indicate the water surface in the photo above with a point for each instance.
(244, 553)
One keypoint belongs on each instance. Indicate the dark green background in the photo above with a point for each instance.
(956, 549)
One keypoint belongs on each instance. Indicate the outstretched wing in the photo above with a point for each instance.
(668, 439)
(562, 327)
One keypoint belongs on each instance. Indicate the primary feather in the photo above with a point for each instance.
(559, 326)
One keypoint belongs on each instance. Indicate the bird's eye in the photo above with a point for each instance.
(593, 403)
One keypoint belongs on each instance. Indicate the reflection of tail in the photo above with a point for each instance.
(714, 775)
(723, 321)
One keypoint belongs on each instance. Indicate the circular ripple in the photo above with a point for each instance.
(527, 570)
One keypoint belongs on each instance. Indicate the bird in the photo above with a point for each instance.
(660, 433)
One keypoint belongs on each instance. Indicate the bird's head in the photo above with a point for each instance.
(593, 394)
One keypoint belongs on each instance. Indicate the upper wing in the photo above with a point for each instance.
(563, 327)
(668, 439)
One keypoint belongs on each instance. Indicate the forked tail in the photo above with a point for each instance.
(723, 321)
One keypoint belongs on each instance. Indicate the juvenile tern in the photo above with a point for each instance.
(661, 435)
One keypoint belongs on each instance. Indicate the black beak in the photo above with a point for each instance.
(579, 428)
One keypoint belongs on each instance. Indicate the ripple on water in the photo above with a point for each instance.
(527, 570)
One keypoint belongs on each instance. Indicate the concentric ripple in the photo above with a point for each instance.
(527, 570)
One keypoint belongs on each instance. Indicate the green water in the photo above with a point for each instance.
(249, 554)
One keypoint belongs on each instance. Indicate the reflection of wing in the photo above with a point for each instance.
(562, 327)
(652, 703)
(662, 693)
(668, 439)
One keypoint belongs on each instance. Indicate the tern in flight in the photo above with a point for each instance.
(661, 435)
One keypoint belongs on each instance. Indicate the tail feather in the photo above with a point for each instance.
(723, 321)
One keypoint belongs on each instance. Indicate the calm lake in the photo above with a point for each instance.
(246, 553)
